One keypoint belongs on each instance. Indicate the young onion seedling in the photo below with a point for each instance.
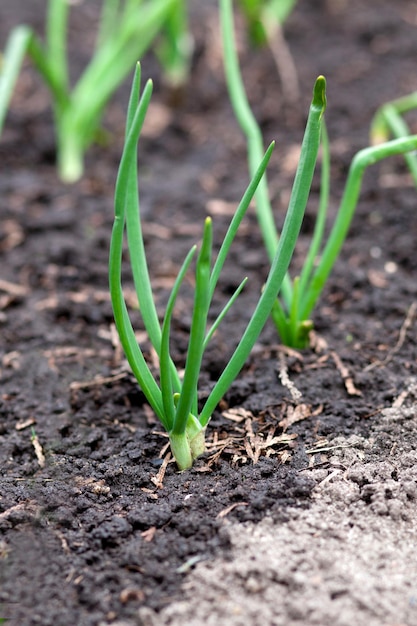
(174, 398)
(265, 17)
(175, 46)
(291, 312)
(126, 31)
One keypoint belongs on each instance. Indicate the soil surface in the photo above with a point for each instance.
(303, 510)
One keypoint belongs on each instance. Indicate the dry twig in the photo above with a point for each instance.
(347, 378)
(285, 379)
(401, 338)
(158, 480)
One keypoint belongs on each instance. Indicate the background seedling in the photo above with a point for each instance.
(291, 312)
(265, 16)
(265, 20)
(126, 31)
(127, 28)
(175, 46)
(174, 398)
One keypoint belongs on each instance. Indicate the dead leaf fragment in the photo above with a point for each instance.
(237, 415)
(378, 279)
(347, 378)
(297, 413)
(38, 451)
(25, 424)
(131, 594)
(148, 534)
(158, 480)
(98, 487)
(285, 379)
(229, 509)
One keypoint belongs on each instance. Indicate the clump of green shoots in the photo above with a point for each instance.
(291, 313)
(126, 30)
(264, 17)
(174, 397)
(175, 46)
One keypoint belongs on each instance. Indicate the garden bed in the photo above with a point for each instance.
(303, 510)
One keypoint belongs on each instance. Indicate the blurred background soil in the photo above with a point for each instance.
(303, 509)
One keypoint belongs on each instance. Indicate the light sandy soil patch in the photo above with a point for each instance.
(351, 558)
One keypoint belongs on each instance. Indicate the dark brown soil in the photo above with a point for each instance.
(97, 535)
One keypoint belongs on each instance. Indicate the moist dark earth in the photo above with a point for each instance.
(303, 510)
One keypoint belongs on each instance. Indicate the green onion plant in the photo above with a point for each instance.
(291, 313)
(265, 19)
(174, 397)
(265, 16)
(126, 31)
(10, 63)
(388, 122)
(175, 46)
